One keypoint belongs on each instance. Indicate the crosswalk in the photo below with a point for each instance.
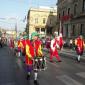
(68, 80)
(81, 74)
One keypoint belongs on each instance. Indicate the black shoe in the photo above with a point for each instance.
(35, 82)
(28, 77)
(78, 61)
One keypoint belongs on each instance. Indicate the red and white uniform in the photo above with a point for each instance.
(11, 43)
(80, 46)
(61, 42)
(29, 53)
(53, 50)
(37, 47)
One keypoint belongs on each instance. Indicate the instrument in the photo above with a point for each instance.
(39, 63)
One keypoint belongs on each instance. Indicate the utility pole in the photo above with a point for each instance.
(16, 29)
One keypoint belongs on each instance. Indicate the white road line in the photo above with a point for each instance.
(68, 80)
(81, 74)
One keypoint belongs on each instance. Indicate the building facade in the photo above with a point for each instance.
(71, 17)
(41, 20)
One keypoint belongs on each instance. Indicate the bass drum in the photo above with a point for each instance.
(39, 63)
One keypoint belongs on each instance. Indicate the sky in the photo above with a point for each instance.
(14, 11)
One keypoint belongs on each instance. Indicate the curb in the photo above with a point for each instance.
(69, 54)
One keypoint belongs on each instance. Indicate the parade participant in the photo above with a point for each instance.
(24, 44)
(54, 46)
(60, 41)
(11, 44)
(79, 46)
(28, 57)
(15, 48)
(48, 40)
(37, 52)
(20, 45)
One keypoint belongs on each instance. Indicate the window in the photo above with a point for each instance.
(68, 11)
(83, 5)
(42, 29)
(81, 29)
(75, 9)
(73, 30)
(59, 16)
(36, 20)
(37, 30)
(63, 13)
(66, 30)
(44, 20)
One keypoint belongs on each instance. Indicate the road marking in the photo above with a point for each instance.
(68, 80)
(81, 74)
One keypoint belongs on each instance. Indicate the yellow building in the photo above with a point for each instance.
(41, 20)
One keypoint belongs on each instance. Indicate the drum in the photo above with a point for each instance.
(39, 63)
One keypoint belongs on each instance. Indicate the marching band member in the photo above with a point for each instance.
(61, 42)
(37, 52)
(29, 57)
(11, 44)
(53, 50)
(79, 46)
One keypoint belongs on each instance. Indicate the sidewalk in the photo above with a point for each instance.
(68, 52)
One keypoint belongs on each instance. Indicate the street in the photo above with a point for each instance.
(67, 72)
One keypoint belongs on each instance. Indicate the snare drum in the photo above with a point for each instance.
(39, 63)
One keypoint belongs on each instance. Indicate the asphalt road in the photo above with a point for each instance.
(67, 72)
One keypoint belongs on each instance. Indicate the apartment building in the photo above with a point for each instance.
(71, 15)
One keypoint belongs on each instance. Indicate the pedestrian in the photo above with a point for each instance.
(61, 42)
(38, 54)
(71, 43)
(11, 44)
(15, 47)
(54, 47)
(20, 45)
(28, 57)
(79, 47)
(48, 43)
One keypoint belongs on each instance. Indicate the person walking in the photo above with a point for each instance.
(29, 56)
(61, 42)
(79, 47)
(54, 46)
